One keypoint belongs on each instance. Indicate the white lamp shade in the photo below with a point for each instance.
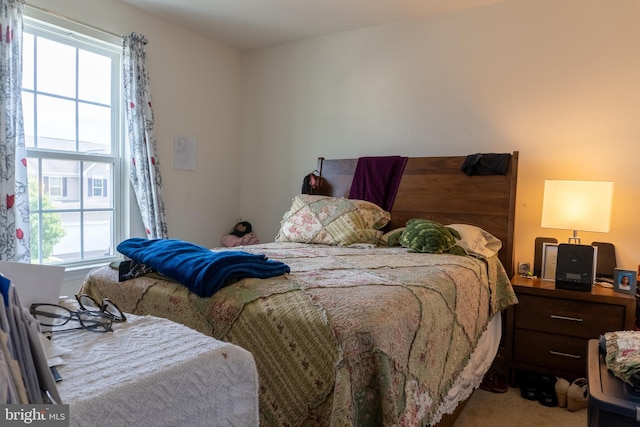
(577, 205)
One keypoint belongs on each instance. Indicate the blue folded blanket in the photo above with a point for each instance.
(201, 270)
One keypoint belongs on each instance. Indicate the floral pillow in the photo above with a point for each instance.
(332, 221)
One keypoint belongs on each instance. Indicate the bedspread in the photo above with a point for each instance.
(352, 336)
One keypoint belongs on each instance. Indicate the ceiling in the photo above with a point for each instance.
(253, 24)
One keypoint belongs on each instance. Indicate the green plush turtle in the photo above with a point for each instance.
(423, 235)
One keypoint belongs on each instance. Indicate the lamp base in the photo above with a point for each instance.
(574, 239)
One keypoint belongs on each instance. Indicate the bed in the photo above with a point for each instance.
(361, 334)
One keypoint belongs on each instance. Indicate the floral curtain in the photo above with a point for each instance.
(14, 194)
(145, 167)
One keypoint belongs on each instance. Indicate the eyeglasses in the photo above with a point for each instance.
(89, 304)
(56, 315)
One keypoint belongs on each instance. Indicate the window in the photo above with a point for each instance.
(73, 133)
(53, 186)
(97, 186)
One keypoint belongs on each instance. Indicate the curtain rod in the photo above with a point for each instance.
(75, 21)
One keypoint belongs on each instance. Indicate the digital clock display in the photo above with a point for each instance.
(573, 276)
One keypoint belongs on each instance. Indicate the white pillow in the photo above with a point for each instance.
(476, 241)
(392, 238)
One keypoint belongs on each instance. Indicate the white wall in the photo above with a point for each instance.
(557, 80)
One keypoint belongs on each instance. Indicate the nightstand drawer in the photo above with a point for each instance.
(566, 354)
(567, 317)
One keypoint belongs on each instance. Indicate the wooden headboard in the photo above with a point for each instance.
(435, 188)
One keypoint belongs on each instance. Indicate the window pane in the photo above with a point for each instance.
(27, 61)
(56, 123)
(61, 183)
(94, 77)
(28, 118)
(56, 72)
(47, 230)
(98, 186)
(34, 221)
(98, 189)
(33, 169)
(46, 224)
(55, 186)
(94, 129)
(68, 247)
(97, 236)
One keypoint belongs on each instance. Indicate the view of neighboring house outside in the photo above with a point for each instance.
(61, 179)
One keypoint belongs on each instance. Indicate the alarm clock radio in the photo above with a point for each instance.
(576, 267)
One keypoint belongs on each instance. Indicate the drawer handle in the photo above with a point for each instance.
(557, 353)
(573, 319)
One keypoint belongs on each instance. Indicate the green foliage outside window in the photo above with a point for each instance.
(52, 229)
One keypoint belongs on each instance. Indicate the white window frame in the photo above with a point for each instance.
(56, 27)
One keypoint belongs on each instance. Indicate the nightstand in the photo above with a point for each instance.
(548, 331)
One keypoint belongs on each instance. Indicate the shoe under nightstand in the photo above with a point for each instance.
(548, 331)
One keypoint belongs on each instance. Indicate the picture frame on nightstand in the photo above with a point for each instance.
(549, 261)
(625, 281)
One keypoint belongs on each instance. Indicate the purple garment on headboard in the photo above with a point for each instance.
(377, 179)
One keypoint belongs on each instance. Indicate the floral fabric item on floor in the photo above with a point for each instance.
(623, 355)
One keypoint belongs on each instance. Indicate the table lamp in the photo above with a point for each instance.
(577, 205)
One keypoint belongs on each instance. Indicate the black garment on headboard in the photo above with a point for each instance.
(486, 164)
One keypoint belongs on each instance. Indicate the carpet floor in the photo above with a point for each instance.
(510, 409)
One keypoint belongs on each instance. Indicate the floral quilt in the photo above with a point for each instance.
(352, 336)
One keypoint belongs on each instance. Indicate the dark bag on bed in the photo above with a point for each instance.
(310, 183)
